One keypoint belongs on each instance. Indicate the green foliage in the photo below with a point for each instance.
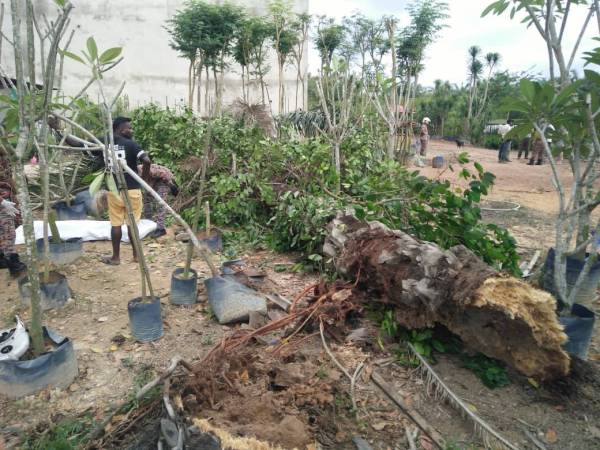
(240, 199)
(328, 39)
(300, 222)
(492, 141)
(490, 371)
(166, 135)
(68, 434)
(283, 188)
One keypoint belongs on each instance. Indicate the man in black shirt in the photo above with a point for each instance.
(127, 149)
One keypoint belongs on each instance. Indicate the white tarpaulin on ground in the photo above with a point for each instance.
(87, 230)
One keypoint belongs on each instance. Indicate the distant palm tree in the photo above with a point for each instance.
(492, 60)
(475, 68)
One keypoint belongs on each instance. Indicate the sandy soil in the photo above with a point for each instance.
(531, 186)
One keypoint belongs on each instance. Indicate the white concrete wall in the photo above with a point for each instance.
(153, 72)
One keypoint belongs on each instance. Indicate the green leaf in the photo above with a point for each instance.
(567, 92)
(438, 346)
(493, 7)
(592, 76)
(422, 349)
(360, 213)
(92, 48)
(527, 88)
(96, 184)
(60, 3)
(110, 182)
(72, 56)
(110, 54)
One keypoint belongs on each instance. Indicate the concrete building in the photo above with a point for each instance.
(153, 72)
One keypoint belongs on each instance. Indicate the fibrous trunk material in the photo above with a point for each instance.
(494, 314)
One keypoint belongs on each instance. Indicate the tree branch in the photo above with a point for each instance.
(580, 37)
(564, 21)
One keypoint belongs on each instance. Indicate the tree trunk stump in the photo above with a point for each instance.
(494, 314)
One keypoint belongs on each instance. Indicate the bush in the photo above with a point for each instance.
(492, 141)
(286, 187)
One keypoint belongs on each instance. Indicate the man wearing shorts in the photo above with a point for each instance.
(125, 148)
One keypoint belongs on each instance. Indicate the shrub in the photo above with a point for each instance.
(286, 187)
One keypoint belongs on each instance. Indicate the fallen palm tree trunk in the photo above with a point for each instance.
(496, 315)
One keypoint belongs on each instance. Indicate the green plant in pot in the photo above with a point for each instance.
(564, 115)
(144, 311)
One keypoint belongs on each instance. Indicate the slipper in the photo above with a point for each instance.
(109, 261)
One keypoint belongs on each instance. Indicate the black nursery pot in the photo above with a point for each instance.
(587, 293)
(145, 319)
(64, 253)
(76, 211)
(54, 369)
(579, 329)
(55, 292)
(184, 291)
(213, 240)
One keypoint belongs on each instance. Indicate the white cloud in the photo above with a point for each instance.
(520, 48)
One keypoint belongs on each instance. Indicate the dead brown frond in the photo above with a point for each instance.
(254, 114)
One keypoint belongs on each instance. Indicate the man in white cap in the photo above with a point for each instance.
(424, 136)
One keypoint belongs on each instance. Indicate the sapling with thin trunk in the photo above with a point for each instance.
(30, 110)
(54, 228)
(572, 108)
(199, 197)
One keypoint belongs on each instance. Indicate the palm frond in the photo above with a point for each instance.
(441, 391)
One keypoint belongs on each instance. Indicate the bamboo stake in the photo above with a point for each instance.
(204, 251)
(207, 212)
(196, 219)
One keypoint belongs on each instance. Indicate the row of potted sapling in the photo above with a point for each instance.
(36, 357)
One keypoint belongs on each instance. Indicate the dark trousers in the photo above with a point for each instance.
(504, 151)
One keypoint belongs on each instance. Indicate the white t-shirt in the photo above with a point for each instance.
(504, 129)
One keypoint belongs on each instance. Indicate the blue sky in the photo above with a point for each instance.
(520, 48)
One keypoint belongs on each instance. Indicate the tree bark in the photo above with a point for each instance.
(496, 315)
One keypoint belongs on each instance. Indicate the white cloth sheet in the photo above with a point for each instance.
(87, 230)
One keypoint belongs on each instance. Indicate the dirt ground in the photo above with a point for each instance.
(558, 416)
(530, 186)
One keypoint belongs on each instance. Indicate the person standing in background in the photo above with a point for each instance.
(525, 147)
(424, 136)
(9, 219)
(505, 146)
(162, 181)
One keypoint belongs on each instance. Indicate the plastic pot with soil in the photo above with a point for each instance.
(54, 290)
(145, 320)
(579, 328)
(55, 368)
(184, 287)
(580, 323)
(62, 253)
(212, 239)
(74, 211)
